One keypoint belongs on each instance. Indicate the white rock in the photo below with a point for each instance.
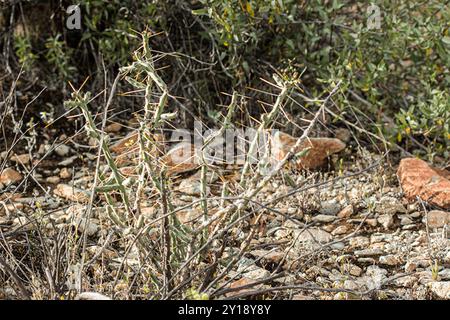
(440, 289)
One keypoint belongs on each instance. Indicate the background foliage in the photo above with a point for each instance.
(395, 79)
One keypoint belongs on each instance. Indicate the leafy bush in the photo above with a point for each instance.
(396, 77)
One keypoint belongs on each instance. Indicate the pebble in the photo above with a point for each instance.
(323, 218)
(340, 230)
(10, 176)
(92, 227)
(21, 159)
(438, 218)
(62, 150)
(368, 252)
(440, 289)
(312, 235)
(389, 260)
(386, 220)
(331, 207)
(65, 173)
(346, 212)
(53, 180)
(71, 193)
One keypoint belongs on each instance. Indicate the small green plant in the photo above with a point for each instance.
(58, 56)
(24, 52)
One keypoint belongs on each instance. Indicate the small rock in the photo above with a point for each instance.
(438, 218)
(340, 230)
(323, 218)
(405, 282)
(331, 207)
(91, 229)
(359, 242)
(10, 176)
(386, 220)
(405, 221)
(65, 173)
(113, 127)
(53, 180)
(71, 193)
(62, 150)
(342, 134)
(369, 252)
(440, 289)
(346, 212)
(389, 260)
(22, 158)
(312, 235)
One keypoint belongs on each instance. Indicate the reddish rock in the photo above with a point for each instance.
(181, 158)
(418, 179)
(10, 176)
(320, 149)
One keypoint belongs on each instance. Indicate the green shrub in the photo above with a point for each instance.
(396, 76)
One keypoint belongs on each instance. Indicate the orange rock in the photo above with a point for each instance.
(418, 179)
(320, 149)
(181, 158)
(10, 176)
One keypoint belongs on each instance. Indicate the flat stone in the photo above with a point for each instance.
(320, 148)
(22, 158)
(312, 235)
(10, 176)
(323, 218)
(418, 179)
(53, 180)
(346, 212)
(390, 260)
(369, 252)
